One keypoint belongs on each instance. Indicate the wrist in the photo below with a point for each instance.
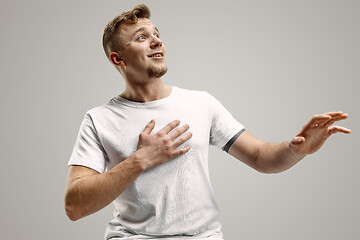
(293, 151)
(139, 159)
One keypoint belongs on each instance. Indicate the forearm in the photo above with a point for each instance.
(87, 191)
(276, 157)
(89, 194)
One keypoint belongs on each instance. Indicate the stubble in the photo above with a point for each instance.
(157, 72)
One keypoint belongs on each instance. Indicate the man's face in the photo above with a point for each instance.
(144, 52)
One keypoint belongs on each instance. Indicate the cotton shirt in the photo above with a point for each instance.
(174, 200)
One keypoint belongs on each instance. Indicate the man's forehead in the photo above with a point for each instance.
(141, 25)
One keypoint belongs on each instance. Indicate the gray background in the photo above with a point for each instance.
(273, 64)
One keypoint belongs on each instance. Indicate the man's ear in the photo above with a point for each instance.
(116, 59)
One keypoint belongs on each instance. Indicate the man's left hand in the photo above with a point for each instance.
(314, 133)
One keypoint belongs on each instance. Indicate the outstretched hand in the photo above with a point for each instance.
(314, 133)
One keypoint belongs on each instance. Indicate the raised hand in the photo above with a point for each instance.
(162, 146)
(314, 133)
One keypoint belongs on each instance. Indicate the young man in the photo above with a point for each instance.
(147, 149)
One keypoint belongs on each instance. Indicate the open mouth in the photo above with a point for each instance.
(156, 55)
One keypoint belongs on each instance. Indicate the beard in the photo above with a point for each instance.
(157, 72)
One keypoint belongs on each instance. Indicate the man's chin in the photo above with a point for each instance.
(157, 72)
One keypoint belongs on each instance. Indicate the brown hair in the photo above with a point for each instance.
(111, 39)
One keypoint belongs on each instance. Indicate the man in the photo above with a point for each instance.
(147, 149)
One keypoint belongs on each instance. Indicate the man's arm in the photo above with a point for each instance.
(88, 191)
(277, 157)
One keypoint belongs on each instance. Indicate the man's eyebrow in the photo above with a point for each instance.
(143, 28)
(139, 30)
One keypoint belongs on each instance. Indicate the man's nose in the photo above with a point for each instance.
(156, 43)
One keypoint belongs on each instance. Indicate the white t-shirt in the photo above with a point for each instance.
(174, 199)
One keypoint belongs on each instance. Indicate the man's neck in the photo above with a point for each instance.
(146, 92)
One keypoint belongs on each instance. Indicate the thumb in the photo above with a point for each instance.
(297, 140)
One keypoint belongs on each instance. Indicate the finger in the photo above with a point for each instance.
(336, 129)
(179, 131)
(182, 139)
(329, 123)
(316, 120)
(335, 114)
(170, 126)
(149, 127)
(181, 151)
(335, 119)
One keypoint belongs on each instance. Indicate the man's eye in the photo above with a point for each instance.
(142, 37)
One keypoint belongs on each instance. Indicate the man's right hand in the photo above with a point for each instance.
(88, 191)
(162, 146)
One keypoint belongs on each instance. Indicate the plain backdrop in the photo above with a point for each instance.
(273, 64)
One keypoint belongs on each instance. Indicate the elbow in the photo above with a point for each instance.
(265, 170)
(72, 210)
(270, 167)
(273, 168)
(270, 171)
(72, 213)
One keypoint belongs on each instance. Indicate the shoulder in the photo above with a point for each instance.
(97, 111)
(197, 98)
(191, 93)
(103, 111)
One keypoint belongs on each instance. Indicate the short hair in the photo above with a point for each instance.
(111, 38)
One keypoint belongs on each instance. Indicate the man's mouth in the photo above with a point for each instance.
(156, 55)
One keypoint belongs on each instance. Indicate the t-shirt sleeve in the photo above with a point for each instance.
(224, 126)
(88, 150)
